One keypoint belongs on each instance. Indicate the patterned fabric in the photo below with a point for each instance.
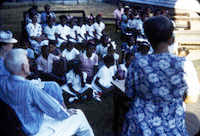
(157, 85)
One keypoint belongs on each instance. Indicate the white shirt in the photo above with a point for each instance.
(63, 31)
(140, 26)
(99, 27)
(73, 34)
(83, 31)
(132, 23)
(50, 32)
(70, 55)
(124, 68)
(90, 29)
(34, 30)
(105, 77)
(75, 80)
(51, 58)
(191, 79)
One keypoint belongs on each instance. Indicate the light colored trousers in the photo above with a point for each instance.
(74, 125)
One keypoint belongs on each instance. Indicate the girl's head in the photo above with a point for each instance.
(45, 51)
(108, 60)
(159, 29)
(76, 67)
(90, 48)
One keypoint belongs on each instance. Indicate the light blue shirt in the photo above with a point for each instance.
(52, 88)
(29, 102)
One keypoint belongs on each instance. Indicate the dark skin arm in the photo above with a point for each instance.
(73, 90)
(99, 85)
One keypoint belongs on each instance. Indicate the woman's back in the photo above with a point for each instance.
(156, 82)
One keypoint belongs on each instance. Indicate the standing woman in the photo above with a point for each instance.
(157, 83)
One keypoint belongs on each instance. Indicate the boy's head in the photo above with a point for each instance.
(52, 45)
(63, 19)
(98, 18)
(49, 20)
(159, 29)
(69, 46)
(34, 18)
(47, 8)
(108, 60)
(144, 48)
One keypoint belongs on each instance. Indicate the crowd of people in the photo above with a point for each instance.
(75, 56)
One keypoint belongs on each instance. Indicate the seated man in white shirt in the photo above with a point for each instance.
(62, 31)
(36, 38)
(99, 26)
(50, 29)
(74, 31)
(39, 113)
(82, 32)
(89, 30)
(70, 53)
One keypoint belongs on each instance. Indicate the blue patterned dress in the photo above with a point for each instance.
(159, 85)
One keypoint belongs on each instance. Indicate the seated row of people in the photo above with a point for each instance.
(74, 30)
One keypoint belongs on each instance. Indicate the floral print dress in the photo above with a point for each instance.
(156, 83)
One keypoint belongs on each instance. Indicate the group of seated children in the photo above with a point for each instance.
(42, 28)
(84, 73)
(78, 55)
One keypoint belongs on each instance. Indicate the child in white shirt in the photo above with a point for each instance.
(62, 31)
(70, 53)
(50, 29)
(36, 38)
(99, 26)
(102, 82)
(89, 30)
(76, 83)
(82, 32)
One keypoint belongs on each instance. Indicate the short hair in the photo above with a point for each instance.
(108, 59)
(62, 17)
(47, 6)
(14, 60)
(158, 29)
